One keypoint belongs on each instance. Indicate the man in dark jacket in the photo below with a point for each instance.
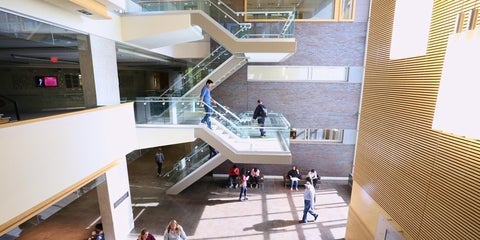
(260, 114)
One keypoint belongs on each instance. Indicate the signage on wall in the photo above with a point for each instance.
(46, 81)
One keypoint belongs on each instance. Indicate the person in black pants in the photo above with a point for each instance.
(309, 199)
(260, 114)
(159, 158)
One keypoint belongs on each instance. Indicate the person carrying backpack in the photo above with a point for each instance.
(260, 114)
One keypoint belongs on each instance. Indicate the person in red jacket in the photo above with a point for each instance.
(233, 173)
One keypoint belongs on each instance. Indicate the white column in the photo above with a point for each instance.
(98, 66)
(115, 203)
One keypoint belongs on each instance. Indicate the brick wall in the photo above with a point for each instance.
(308, 104)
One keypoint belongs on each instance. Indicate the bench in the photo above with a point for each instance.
(260, 182)
(287, 183)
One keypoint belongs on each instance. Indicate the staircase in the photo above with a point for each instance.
(235, 139)
(239, 41)
(234, 136)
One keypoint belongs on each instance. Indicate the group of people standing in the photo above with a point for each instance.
(173, 231)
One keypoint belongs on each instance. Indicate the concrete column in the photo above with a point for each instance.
(98, 66)
(115, 203)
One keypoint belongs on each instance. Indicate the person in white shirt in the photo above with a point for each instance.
(255, 177)
(309, 198)
(312, 177)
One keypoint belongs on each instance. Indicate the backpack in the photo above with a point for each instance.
(263, 111)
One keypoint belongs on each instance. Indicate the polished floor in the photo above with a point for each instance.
(206, 210)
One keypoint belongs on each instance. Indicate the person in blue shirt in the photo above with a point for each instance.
(207, 102)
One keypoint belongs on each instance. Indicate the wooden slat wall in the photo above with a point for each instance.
(428, 182)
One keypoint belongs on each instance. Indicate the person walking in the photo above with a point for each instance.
(260, 114)
(243, 185)
(308, 198)
(174, 231)
(207, 100)
(159, 158)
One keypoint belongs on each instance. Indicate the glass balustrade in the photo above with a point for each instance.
(188, 164)
(189, 111)
(277, 23)
(193, 76)
(231, 20)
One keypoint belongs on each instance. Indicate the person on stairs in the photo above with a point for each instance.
(207, 101)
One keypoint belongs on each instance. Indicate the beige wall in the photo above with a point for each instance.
(424, 180)
(65, 151)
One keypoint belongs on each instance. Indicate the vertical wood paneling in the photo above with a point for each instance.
(427, 181)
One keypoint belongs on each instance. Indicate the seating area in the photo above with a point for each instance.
(259, 185)
(287, 182)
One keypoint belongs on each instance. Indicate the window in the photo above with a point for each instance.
(324, 135)
(309, 10)
(346, 12)
(411, 26)
(298, 73)
(457, 110)
(73, 80)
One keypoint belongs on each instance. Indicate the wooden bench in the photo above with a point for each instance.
(287, 182)
(260, 182)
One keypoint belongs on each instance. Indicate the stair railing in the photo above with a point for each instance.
(189, 163)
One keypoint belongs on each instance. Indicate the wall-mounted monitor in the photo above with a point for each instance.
(46, 81)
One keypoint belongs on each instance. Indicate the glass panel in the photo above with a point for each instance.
(196, 74)
(305, 9)
(325, 135)
(188, 111)
(188, 164)
(229, 18)
(347, 10)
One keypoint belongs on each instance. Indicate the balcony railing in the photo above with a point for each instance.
(282, 25)
(189, 111)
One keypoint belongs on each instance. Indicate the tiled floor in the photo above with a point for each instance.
(207, 210)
